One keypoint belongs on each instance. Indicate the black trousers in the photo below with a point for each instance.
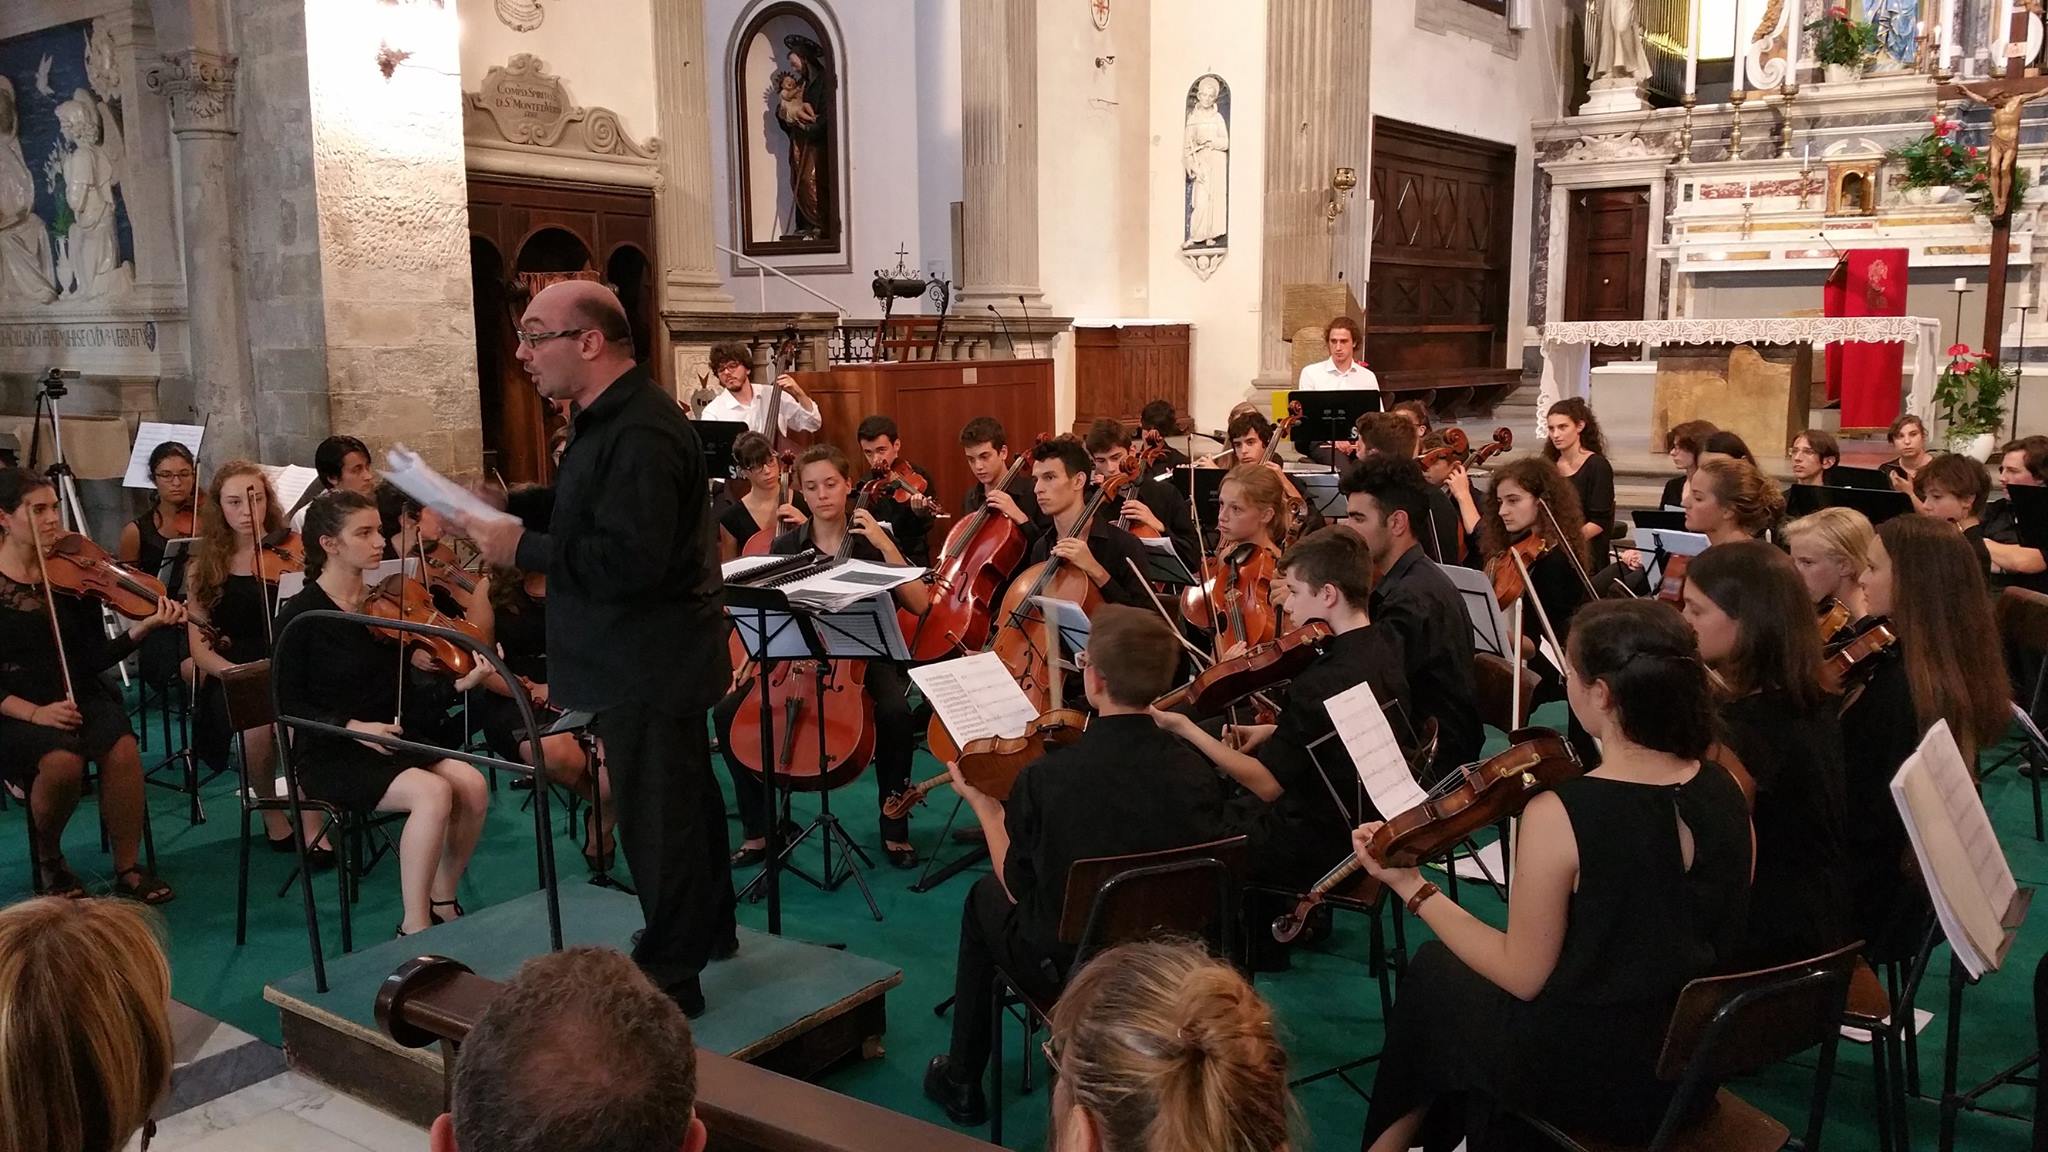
(895, 742)
(672, 830)
(989, 937)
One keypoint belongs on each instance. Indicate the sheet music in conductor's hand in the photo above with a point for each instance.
(975, 697)
(1355, 714)
(416, 479)
(1966, 872)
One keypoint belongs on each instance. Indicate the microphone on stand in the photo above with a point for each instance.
(1023, 308)
(1005, 321)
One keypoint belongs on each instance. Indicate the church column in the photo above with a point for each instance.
(683, 202)
(1318, 54)
(999, 152)
(200, 87)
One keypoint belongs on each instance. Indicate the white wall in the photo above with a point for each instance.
(878, 59)
(602, 49)
(938, 134)
(1229, 40)
(1458, 84)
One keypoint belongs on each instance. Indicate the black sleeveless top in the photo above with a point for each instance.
(239, 615)
(150, 557)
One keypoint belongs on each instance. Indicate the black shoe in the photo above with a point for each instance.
(320, 859)
(688, 995)
(905, 858)
(748, 857)
(964, 1103)
(726, 949)
(279, 845)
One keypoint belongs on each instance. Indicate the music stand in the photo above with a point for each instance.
(1163, 564)
(717, 437)
(2030, 513)
(1661, 544)
(1876, 506)
(1658, 519)
(1208, 488)
(1843, 476)
(1489, 629)
(1320, 490)
(1327, 417)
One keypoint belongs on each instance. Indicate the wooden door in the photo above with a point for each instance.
(1607, 249)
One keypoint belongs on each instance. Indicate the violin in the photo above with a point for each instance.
(901, 482)
(1234, 598)
(1671, 586)
(979, 554)
(1833, 616)
(1508, 585)
(400, 597)
(1849, 666)
(1463, 802)
(825, 718)
(440, 558)
(76, 566)
(274, 559)
(990, 765)
(1260, 667)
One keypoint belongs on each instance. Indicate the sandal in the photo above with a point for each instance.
(59, 879)
(437, 917)
(600, 861)
(136, 884)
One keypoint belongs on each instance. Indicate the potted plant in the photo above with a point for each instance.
(1976, 185)
(1932, 167)
(1844, 44)
(1969, 400)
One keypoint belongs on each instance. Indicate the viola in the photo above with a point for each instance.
(440, 560)
(1833, 616)
(400, 597)
(1463, 802)
(76, 566)
(1508, 585)
(1455, 448)
(1671, 587)
(1261, 667)
(824, 718)
(1235, 596)
(901, 482)
(990, 765)
(979, 554)
(1849, 666)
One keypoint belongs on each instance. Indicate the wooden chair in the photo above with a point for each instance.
(909, 338)
(1730, 1026)
(1494, 682)
(1112, 900)
(2023, 624)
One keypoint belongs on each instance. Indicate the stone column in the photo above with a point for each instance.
(1317, 120)
(682, 202)
(200, 87)
(999, 152)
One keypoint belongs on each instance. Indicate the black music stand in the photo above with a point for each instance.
(2030, 514)
(1327, 417)
(1844, 476)
(1207, 485)
(717, 437)
(1876, 506)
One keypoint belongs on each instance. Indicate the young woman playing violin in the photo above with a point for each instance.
(232, 583)
(755, 502)
(1923, 582)
(1629, 882)
(55, 713)
(1750, 612)
(339, 672)
(1530, 500)
(173, 515)
(1731, 500)
(1576, 446)
(1830, 549)
(826, 479)
(1251, 514)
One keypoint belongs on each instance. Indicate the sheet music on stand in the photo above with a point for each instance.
(1967, 875)
(1360, 723)
(1320, 490)
(1072, 623)
(289, 481)
(176, 552)
(975, 697)
(1658, 543)
(148, 435)
(290, 584)
(864, 631)
(1489, 630)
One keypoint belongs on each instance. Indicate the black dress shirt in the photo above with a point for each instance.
(1113, 548)
(1421, 605)
(909, 525)
(1446, 529)
(1024, 493)
(1125, 786)
(632, 558)
(2001, 526)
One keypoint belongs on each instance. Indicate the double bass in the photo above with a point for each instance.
(979, 553)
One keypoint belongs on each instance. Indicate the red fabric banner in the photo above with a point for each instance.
(1865, 377)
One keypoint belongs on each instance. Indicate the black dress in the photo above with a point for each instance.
(239, 617)
(1594, 482)
(1796, 904)
(1583, 1052)
(1879, 730)
(739, 523)
(29, 668)
(335, 671)
(163, 650)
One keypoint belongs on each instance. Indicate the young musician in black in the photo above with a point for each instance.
(50, 727)
(1749, 609)
(753, 501)
(1060, 471)
(1290, 808)
(338, 462)
(1392, 434)
(1575, 445)
(1124, 787)
(910, 520)
(1149, 501)
(827, 480)
(2022, 463)
(173, 514)
(1386, 498)
(1528, 498)
(987, 448)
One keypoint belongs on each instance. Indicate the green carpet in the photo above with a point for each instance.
(1327, 1004)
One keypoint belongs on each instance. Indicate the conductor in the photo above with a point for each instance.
(633, 630)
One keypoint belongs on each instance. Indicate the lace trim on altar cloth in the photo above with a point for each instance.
(1775, 330)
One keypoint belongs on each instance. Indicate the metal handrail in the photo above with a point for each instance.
(837, 306)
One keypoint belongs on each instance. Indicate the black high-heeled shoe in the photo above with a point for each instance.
(437, 917)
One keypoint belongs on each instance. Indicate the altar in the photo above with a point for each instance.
(1567, 356)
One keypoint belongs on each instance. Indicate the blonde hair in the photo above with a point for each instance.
(1744, 489)
(1843, 533)
(1261, 487)
(216, 552)
(85, 1029)
(1169, 1048)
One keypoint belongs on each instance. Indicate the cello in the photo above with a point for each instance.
(979, 554)
(825, 720)
(1025, 637)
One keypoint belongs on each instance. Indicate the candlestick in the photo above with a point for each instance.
(1685, 130)
(1692, 52)
(1795, 30)
(1962, 285)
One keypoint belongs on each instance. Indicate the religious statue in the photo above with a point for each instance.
(1614, 40)
(91, 248)
(1205, 154)
(24, 237)
(803, 109)
(2003, 155)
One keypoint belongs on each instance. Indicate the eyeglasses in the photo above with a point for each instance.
(532, 338)
(1052, 1057)
(169, 476)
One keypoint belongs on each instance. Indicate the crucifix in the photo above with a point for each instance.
(2007, 99)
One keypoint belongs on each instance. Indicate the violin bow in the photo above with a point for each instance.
(1202, 660)
(50, 605)
(1571, 553)
(1542, 616)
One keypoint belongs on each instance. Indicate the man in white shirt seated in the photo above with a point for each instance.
(1342, 371)
(742, 401)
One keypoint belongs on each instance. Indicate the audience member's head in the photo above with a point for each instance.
(85, 1027)
(1161, 1048)
(579, 1052)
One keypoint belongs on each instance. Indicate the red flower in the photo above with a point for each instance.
(1943, 127)
(1959, 350)
(1973, 149)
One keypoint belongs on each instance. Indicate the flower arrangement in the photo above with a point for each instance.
(1841, 39)
(1970, 395)
(1936, 160)
(1976, 186)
